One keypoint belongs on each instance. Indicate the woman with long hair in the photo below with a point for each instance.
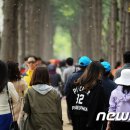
(42, 103)
(14, 76)
(20, 85)
(5, 113)
(87, 99)
(119, 103)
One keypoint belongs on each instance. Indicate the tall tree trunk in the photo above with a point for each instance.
(9, 46)
(48, 30)
(99, 28)
(122, 19)
(86, 27)
(74, 32)
(113, 40)
(27, 18)
(96, 30)
(39, 29)
(41, 39)
(21, 31)
(127, 26)
(32, 20)
(118, 51)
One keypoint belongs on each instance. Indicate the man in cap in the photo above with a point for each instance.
(83, 62)
(31, 66)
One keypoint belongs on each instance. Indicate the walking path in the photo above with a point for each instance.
(66, 126)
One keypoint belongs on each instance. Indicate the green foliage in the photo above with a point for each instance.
(106, 24)
(62, 43)
(65, 12)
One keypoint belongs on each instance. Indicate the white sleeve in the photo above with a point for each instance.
(13, 93)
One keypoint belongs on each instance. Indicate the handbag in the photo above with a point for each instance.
(14, 124)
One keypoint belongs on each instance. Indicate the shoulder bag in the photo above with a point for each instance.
(14, 124)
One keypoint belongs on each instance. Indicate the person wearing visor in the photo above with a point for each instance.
(108, 86)
(126, 60)
(31, 66)
(83, 62)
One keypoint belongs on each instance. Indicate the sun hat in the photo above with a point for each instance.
(84, 61)
(106, 66)
(124, 79)
(31, 59)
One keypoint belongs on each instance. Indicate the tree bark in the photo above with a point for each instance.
(74, 32)
(27, 18)
(86, 27)
(96, 30)
(127, 26)
(21, 31)
(113, 40)
(9, 46)
(32, 27)
(48, 30)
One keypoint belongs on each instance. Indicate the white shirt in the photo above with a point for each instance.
(4, 105)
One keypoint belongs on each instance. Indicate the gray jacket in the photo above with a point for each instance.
(43, 106)
(118, 72)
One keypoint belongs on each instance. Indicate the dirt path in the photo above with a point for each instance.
(66, 126)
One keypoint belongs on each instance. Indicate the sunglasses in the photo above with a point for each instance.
(31, 62)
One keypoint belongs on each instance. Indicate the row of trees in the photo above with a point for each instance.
(119, 29)
(98, 28)
(27, 30)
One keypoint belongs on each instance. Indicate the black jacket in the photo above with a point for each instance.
(71, 80)
(85, 106)
(108, 86)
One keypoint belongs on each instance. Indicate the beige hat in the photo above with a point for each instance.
(31, 59)
(124, 79)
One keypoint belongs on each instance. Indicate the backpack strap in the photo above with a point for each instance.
(10, 101)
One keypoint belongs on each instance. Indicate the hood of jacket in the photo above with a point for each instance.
(42, 88)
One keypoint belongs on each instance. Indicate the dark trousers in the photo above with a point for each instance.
(80, 123)
(117, 125)
(68, 112)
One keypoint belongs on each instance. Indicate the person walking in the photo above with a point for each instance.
(126, 60)
(5, 113)
(87, 99)
(55, 79)
(69, 70)
(20, 85)
(108, 86)
(120, 101)
(42, 103)
(31, 63)
(83, 62)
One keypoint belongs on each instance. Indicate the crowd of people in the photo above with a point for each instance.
(31, 94)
